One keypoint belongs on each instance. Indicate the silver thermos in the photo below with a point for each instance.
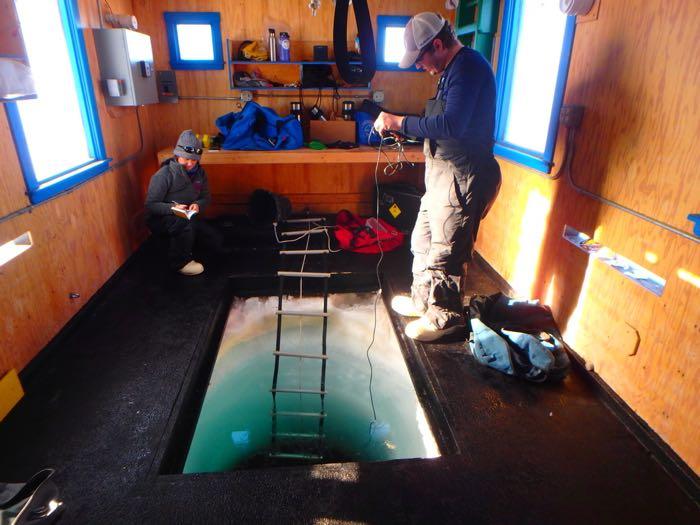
(272, 44)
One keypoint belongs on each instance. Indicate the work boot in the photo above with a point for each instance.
(406, 306)
(425, 330)
(191, 268)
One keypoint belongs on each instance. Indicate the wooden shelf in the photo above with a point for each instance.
(278, 63)
(361, 155)
(232, 63)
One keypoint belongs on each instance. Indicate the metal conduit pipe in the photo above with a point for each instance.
(599, 198)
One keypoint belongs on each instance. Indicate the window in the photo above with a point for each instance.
(390, 46)
(57, 135)
(532, 68)
(194, 40)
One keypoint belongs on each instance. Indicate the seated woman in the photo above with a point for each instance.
(181, 183)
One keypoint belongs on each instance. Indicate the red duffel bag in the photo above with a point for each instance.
(361, 235)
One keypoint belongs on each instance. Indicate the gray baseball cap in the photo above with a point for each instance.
(188, 145)
(419, 32)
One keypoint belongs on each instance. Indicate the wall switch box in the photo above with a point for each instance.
(167, 86)
(378, 96)
(126, 56)
(571, 115)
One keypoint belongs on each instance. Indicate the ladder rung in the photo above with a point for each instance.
(302, 313)
(317, 229)
(304, 274)
(309, 356)
(300, 414)
(297, 391)
(303, 252)
(291, 455)
(309, 219)
(299, 435)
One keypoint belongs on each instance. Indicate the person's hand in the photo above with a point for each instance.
(180, 206)
(194, 206)
(387, 122)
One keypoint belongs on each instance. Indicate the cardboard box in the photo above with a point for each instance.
(332, 130)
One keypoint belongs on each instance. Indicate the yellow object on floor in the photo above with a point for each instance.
(10, 392)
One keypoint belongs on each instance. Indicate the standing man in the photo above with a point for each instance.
(462, 177)
(181, 183)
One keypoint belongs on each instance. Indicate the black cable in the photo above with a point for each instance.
(566, 160)
(335, 101)
(99, 11)
(394, 167)
(379, 283)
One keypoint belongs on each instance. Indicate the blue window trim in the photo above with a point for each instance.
(40, 191)
(538, 160)
(172, 19)
(384, 21)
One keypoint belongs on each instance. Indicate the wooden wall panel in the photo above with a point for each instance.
(635, 68)
(11, 43)
(12, 186)
(243, 20)
(80, 238)
(322, 189)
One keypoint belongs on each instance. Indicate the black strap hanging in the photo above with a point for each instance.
(354, 74)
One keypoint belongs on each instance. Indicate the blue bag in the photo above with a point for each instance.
(256, 127)
(518, 338)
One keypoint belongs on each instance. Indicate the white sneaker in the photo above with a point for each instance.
(191, 268)
(423, 330)
(404, 305)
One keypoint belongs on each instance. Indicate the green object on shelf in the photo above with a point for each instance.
(315, 144)
(475, 24)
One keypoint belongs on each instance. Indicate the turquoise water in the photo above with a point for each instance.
(235, 423)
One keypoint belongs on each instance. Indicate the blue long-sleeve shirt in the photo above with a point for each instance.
(469, 91)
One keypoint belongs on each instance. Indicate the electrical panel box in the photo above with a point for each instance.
(126, 67)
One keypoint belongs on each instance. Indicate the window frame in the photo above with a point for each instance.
(538, 160)
(39, 191)
(213, 19)
(384, 21)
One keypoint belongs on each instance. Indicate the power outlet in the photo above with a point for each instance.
(571, 116)
(378, 97)
(246, 96)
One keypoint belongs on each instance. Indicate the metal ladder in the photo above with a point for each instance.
(289, 445)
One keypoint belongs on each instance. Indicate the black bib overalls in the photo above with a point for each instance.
(461, 182)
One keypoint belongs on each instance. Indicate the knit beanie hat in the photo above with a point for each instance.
(188, 146)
